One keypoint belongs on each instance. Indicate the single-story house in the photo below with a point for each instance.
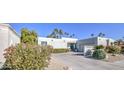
(8, 37)
(86, 44)
(58, 43)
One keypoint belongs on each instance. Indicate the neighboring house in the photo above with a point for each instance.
(8, 37)
(86, 44)
(58, 43)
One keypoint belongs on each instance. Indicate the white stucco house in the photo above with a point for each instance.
(58, 43)
(8, 37)
(73, 43)
(86, 44)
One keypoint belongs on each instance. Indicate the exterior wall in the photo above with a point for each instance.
(3, 41)
(70, 40)
(13, 38)
(8, 37)
(104, 41)
(93, 42)
(90, 41)
(56, 43)
(86, 42)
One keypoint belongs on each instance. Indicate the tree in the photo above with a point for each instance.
(72, 36)
(92, 35)
(66, 34)
(28, 36)
(34, 37)
(61, 33)
(57, 33)
(24, 34)
(54, 34)
(101, 34)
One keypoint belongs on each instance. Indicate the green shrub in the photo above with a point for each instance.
(27, 57)
(60, 50)
(99, 47)
(88, 53)
(99, 54)
(113, 49)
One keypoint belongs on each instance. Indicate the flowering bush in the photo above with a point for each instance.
(27, 57)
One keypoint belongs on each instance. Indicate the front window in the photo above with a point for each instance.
(43, 43)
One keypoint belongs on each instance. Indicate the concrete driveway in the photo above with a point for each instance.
(76, 61)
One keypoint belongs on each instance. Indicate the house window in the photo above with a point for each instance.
(43, 43)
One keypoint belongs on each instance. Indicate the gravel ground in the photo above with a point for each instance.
(56, 65)
(114, 58)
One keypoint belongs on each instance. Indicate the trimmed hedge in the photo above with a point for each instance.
(27, 57)
(99, 54)
(99, 47)
(60, 50)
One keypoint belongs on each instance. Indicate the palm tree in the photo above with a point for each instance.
(101, 34)
(56, 33)
(61, 33)
(92, 35)
(72, 36)
(66, 34)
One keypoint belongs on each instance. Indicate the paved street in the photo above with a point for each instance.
(77, 61)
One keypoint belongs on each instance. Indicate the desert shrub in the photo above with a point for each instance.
(113, 49)
(99, 54)
(27, 57)
(88, 53)
(60, 50)
(99, 47)
(122, 50)
(107, 49)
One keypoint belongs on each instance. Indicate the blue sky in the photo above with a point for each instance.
(81, 30)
